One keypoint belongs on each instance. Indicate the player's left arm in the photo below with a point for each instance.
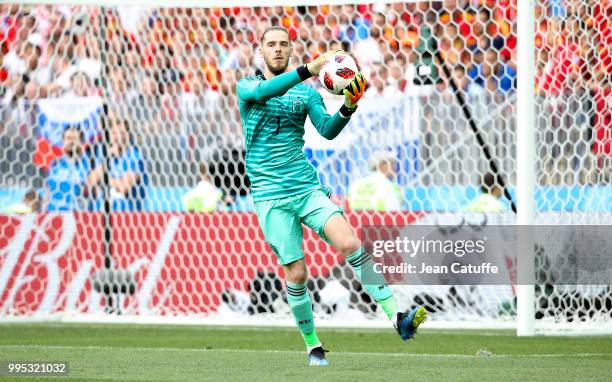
(329, 126)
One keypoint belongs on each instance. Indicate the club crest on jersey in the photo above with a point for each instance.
(298, 106)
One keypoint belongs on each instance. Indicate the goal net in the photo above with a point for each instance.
(123, 190)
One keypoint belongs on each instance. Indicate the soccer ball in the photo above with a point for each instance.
(337, 73)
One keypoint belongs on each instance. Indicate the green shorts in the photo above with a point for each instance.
(281, 221)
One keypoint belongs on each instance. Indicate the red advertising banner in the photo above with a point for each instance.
(181, 262)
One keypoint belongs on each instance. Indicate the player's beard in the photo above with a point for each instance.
(73, 152)
(279, 69)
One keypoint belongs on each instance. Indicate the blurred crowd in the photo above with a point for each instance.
(172, 71)
(49, 50)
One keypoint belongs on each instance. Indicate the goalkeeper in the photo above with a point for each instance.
(285, 186)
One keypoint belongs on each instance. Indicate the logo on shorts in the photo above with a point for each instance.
(298, 106)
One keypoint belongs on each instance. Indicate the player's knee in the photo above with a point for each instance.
(348, 246)
(298, 277)
(296, 274)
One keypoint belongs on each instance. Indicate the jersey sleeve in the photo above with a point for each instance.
(254, 89)
(329, 126)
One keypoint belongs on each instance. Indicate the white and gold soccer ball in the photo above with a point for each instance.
(338, 72)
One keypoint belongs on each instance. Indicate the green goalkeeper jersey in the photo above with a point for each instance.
(273, 114)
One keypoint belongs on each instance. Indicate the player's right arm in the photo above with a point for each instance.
(258, 90)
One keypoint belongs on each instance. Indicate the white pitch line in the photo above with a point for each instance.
(168, 327)
(188, 350)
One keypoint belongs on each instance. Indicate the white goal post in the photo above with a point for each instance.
(459, 90)
(525, 157)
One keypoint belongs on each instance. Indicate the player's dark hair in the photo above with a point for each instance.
(117, 119)
(204, 171)
(31, 195)
(120, 120)
(490, 181)
(273, 28)
(486, 12)
(74, 128)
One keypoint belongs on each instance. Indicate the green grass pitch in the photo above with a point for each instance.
(184, 353)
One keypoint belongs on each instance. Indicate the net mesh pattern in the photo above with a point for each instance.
(147, 96)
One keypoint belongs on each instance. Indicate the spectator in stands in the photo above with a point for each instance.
(396, 77)
(146, 108)
(24, 74)
(201, 110)
(42, 47)
(378, 191)
(205, 197)
(29, 204)
(128, 178)
(383, 87)
(299, 53)
(376, 78)
(80, 85)
(493, 73)
(67, 178)
(505, 74)
(489, 200)
(475, 67)
(121, 91)
(367, 50)
(380, 24)
(460, 78)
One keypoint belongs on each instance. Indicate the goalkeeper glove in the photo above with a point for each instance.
(354, 92)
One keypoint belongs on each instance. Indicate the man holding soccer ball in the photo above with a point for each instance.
(286, 188)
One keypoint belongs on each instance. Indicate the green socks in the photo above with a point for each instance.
(389, 306)
(301, 306)
(379, 289)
